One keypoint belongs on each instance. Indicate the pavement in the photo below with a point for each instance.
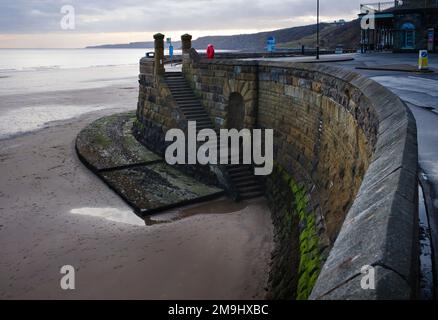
(331, 58)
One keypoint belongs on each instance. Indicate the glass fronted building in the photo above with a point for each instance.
(401, 26)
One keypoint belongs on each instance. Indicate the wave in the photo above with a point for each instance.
(41, 68)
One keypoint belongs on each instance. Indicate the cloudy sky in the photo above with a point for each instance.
(37, 23)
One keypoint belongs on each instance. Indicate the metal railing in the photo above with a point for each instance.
(399, 4)
(379, 6)
(417, 4)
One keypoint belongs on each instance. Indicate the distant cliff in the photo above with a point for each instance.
(132, 45)
(331, 34)
(256, 41)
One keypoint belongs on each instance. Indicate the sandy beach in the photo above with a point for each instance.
(54, 212)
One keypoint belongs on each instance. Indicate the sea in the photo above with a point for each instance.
(43, 59)
(40, 87)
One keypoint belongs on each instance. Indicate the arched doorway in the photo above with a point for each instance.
(236, 112)
(408, 36)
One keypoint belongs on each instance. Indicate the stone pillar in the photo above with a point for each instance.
(159, 53)
(186, 41)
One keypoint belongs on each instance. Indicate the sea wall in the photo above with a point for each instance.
(351, 145)
(157, 112)
(345, 151)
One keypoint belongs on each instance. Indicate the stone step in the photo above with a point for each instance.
(183, 94)
(251, 188)
(188, 99)
(247, 184)
(201, 123)
(176, 90)
(173, 83)
(176, 85)
(196, 111)
(233, 167)
(190, 102)
(176, 81)
(251, 195)
(199, 120)
(244, 178)
(197, 115)
(172, 77)
(193, 109)
(184, 104)
(241, 175)
(237, 170)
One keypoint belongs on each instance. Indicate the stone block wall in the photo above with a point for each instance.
(156, 110)
(317, 137)
(347, 149)
(333, 132)
(215, 81)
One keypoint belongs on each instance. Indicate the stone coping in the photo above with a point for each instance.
(381, 228)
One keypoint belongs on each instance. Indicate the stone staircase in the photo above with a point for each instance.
(245, 184)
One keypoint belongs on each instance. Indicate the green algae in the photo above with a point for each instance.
(109, 142)
(309, 253)
(141, 177)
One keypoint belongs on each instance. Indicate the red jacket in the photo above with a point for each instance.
(210, 51)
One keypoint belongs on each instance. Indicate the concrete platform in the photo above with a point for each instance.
(139, 176)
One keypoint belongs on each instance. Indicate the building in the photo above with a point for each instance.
(401, 26)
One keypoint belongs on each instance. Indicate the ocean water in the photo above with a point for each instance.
(39, 88)
(43, 59)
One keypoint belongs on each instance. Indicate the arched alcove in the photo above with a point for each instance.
(236, 112)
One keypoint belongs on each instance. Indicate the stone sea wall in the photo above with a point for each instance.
(351, 145)
(344, 191)
(157, 112)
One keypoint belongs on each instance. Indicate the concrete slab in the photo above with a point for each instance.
(158, 187)
(138, 175)
(108, 143)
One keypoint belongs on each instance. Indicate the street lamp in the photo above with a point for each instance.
(317, 30)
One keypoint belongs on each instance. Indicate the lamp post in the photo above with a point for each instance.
(317, 30)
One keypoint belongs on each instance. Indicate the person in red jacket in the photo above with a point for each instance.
(210, 51)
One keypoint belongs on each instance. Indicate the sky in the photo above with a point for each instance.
(49, 23)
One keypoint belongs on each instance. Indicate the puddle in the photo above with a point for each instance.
(426, 268)
(111, 214)
(221, 206)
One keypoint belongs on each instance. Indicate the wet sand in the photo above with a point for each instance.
(54, 212)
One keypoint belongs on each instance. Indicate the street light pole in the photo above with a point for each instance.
(317, 30)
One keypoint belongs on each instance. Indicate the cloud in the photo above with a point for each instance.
(36, 16)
